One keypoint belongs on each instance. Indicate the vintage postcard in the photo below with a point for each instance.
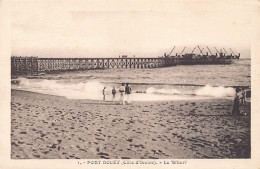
(123, 84)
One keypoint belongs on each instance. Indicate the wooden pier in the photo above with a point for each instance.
(31, 66)
(61, 64)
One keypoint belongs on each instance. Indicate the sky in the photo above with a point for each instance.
(141, 28)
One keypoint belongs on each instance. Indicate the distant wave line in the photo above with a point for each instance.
(176, 84)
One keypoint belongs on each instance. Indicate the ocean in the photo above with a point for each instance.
(169, 83)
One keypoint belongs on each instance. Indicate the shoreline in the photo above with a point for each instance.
(109, 101)
(53, 127)
(16, 81)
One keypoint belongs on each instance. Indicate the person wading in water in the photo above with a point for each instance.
(236, 110)
(128, 91)
(104, 93)
(122, 93)
(113, 94)
(243, 97)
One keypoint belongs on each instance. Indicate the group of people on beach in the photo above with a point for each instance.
(125, 93)
(239, 100)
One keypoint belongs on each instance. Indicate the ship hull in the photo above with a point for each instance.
(203, 61)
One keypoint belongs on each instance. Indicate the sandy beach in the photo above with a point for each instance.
(52, 127)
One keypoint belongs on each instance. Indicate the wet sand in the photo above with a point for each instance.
(52, 127)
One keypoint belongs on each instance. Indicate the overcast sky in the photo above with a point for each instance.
(141, 28)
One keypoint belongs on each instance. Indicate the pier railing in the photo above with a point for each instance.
(33, 65)
(56, 64)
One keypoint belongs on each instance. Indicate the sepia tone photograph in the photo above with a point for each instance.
(130, 84)
(130, 80)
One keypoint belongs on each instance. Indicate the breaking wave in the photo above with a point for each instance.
(216, 91)
(203, 91)
(87, 90)
(93, 90)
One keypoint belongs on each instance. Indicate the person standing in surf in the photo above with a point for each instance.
(104, 94)
(122, 93)
(113, 94)
(243, 97)
(128, 91)
(236, 110)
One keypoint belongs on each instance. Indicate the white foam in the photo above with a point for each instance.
(93, 90)
(216, 91)
(87, 90)
(152, 90)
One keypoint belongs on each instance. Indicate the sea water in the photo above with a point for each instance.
(170, 83)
